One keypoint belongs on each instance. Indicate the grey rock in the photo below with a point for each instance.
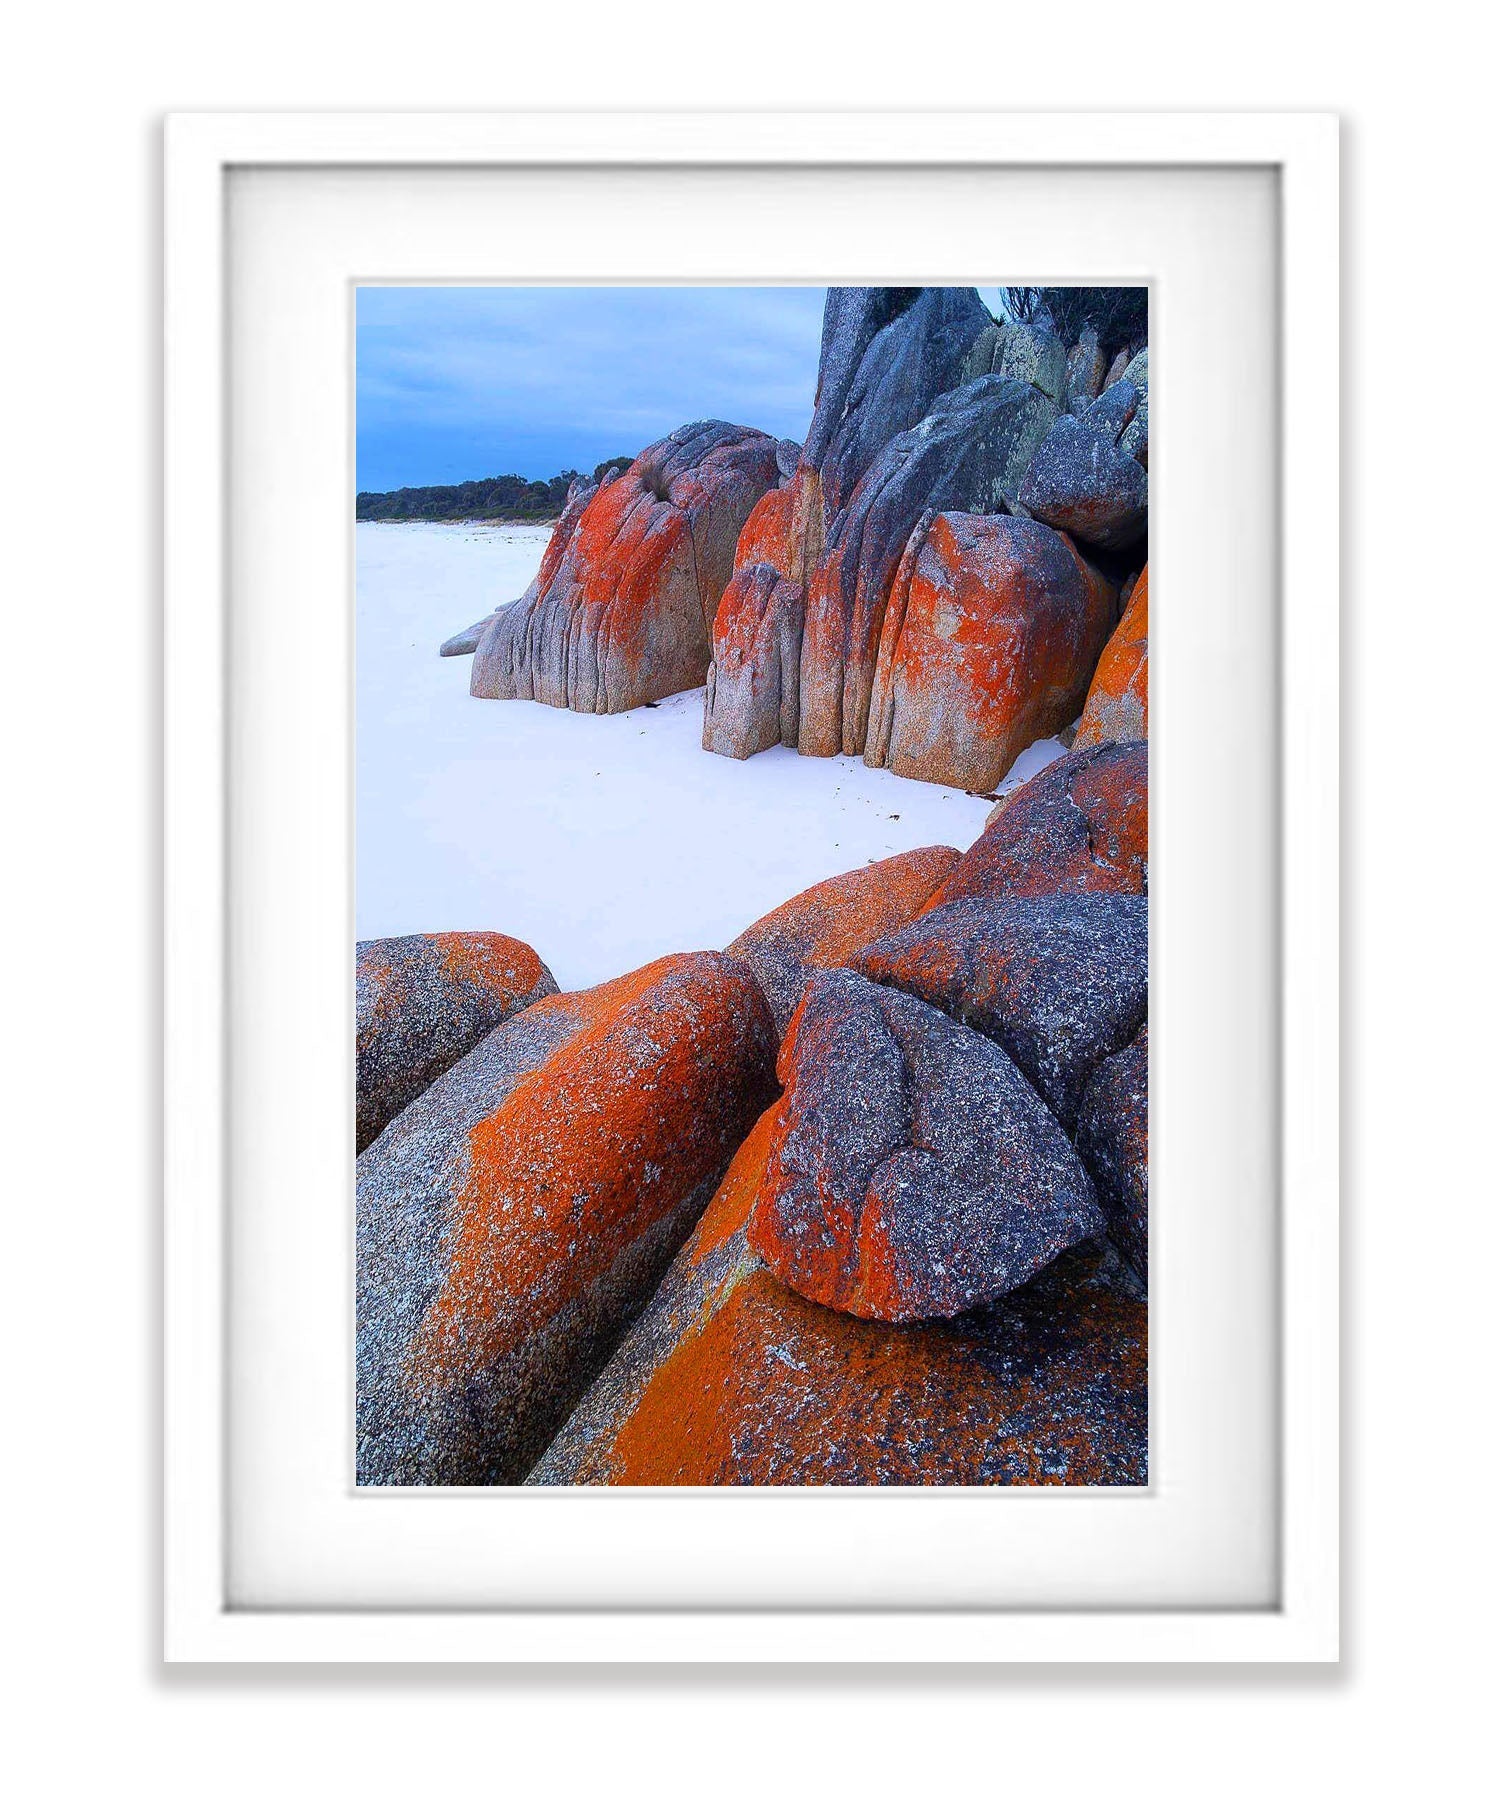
(1028, 353)
(1135, 438)
(916, 1173)
(421, 1002)
(1081, 482)
(1084, 379)
(465, 642)
(788, 456)
(888, 354)
(1113, 1138)
(1109, 415)
(1059, 981)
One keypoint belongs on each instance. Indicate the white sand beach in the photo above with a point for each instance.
(603, 842)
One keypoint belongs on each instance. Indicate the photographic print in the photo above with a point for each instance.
(751, 874)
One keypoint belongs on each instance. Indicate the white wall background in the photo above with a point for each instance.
(83, 90)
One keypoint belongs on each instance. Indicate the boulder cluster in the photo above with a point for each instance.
(861, 1198)
(932, 580)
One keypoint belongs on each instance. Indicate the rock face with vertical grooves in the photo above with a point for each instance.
(622, 612)
(1059, 982)
(967, 455)
(913, 1171)
(992, 630)
(830, 923)
(1078, 826)
(887, 355)
(421, 1002)
(517, 1216)
(753, 697)
(1116, 711)
(730, 1378)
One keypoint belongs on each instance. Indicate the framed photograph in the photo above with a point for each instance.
(751, 1057)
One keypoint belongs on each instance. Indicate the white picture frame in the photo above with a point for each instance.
(201, 1622)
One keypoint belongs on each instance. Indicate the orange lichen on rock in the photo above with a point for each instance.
(603, 1139)
(914, 1172)
(785, 529)
(627, 607)
(753, 695)
(1077, 826)
(730, 1378)
(823, 927)
(554, 1210)
(993, 628)
(1115, 711)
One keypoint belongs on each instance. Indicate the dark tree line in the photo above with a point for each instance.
(495, 497)
(1118, 314)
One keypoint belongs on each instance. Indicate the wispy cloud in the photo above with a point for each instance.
(455, 383)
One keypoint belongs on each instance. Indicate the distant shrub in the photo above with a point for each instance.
(495, 497)
(1118, 314)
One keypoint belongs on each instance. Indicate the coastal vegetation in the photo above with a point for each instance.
(502, 497)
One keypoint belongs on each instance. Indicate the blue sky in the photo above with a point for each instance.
(455, 383)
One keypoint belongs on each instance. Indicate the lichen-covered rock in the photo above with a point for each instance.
(967, 455)
(785, 529)
(1083, 380)
(1115, 711)
(753, 700)
(421, 1002)
(993, 628)
(1135, 439)
(913, 1171)
(730, 1378)
(1083, 482)
(887, 354)
(623, 611)
(1028, 353)
(753, 694)
(1108, 416)
(1059, 982)
(517, 1216)
(1078, 826)
(1113, 1138)
(825, 926)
